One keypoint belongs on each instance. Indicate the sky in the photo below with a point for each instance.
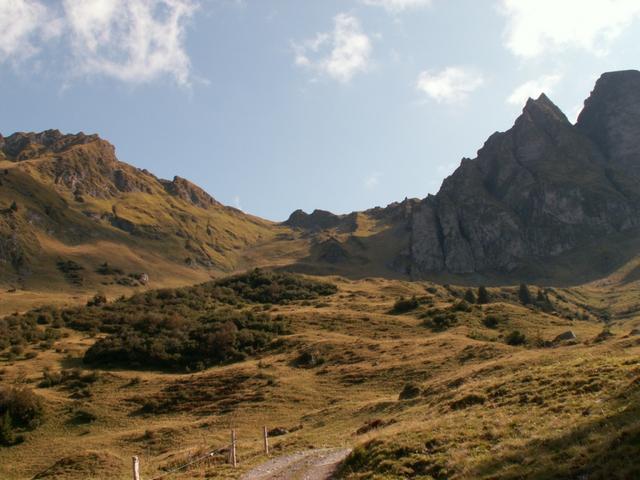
(276, 105)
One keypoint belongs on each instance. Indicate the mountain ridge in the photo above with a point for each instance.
(536, 204)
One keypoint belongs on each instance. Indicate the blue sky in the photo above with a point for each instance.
(274, 105)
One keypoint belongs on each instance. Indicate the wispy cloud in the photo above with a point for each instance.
(339, 54)
(397, 5)
(132, 40)
(533, 89)
(451, 85)
(536, 26)
(135, 41)
(372, 180)
(24, 25)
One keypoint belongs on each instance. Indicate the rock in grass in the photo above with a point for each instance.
(565, 336)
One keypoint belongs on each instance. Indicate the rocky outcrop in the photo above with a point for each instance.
(533, 195)
(321, 220)
(538, 190)
(24, 146)
(187, 191)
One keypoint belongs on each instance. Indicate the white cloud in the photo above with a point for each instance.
(339, 54)
(131, 40)
(397, 5)
(236, 202)
(533, 89)
(451, 85)
(536, 26)
(372, 180)
(22, 22)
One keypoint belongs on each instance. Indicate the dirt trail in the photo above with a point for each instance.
(317, 464)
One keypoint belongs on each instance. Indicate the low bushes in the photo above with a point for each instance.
(404, 305)
(19, 408)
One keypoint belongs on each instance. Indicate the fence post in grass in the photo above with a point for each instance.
(136, 468)
(233, 459)
(265, 436)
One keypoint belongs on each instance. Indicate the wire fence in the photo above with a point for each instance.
(192, 462)
(230, 449)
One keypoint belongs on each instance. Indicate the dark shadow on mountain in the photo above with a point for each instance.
(386, 254)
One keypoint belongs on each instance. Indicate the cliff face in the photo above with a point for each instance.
(538, 190)
(534, 198)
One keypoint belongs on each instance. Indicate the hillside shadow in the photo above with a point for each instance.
(385, 254)
(608, 448)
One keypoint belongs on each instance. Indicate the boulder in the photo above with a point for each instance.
(565, 336)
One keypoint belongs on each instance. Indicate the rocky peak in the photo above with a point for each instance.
(26, 145)
(317, 220)
(611, 117)
(538, 190)
(543, 107)
(187, 191)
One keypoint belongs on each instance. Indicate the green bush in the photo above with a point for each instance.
(469, 296)
(461, 306)
(192, 327)
(491, 321)
(22, 405)
(516, 338)
(404, 305)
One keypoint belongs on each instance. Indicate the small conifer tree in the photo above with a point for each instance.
(524, 294)
(483, 295)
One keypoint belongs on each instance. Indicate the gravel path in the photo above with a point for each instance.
(308, 465)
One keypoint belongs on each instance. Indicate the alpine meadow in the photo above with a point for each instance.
(488, 330)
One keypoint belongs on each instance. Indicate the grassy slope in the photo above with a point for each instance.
(51, 225)
(547, 413)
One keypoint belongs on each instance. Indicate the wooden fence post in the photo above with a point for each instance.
(265, 434)
(233, 459)
(136, 468)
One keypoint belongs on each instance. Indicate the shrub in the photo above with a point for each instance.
(469, 296)
(467, 401)
(442, 321)
(409, 391)
(265, 286)
(97, 300)
(192, 327)
(516, 338)
(7, 436)
(23, 406)
(17, 350)
(106, 269)
(461, 306)
(490, 321)
(404, 305)
(308, 359)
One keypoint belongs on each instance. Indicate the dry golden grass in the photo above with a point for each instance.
(484, 409)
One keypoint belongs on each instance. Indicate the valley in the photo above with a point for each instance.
(441, 390)
(489, 331)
